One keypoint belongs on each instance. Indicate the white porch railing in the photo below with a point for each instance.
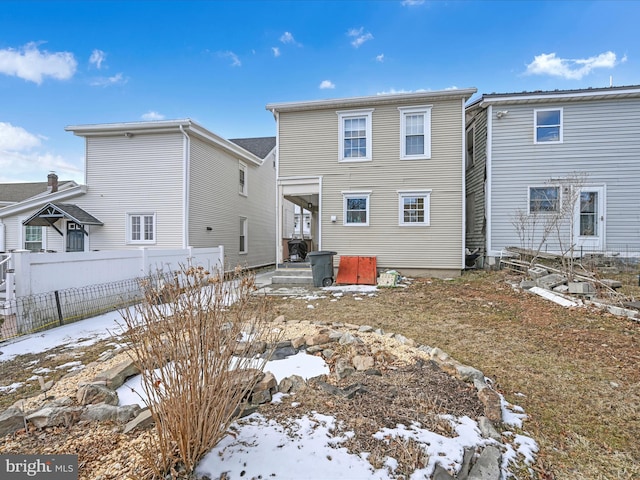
(5, 259)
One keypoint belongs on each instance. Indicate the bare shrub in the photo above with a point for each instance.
(191, 338)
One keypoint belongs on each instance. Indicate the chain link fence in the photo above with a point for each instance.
(33, 313)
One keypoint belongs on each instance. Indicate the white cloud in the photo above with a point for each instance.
(152, 115)
(380, 58)
(97, 57)
(570, 69)
(287, 37)
(20, 158)
(411, 3)
(31, 64)
(276, 51)
(359, 37)
(117, 79)
(393, 91)
(235, 61)
(16, 138)
(326, 84)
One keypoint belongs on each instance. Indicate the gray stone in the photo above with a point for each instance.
(487, 429)
(344, 368)
(328, 353)
(469, 374)
(118, 374)
(426, 349)
(11, 419)
(348, 339)
(527, 284)
(463, 474)
(551, 281)
(537, 272)
(143, 420)
(363, 362)
(268, 382)
(51, 416)
(440, 473)
(409, 342)
(280, 353)
(373, 372)
(291, 384)
(45, 386)
(581, 288)
(95, 393)
(487, 467)
(315, 349)
(250, 349)
(319, 339)
(492, 404)
(297, 342)
(110, 413)
(379, 331)
(335, 336)
(365, 328)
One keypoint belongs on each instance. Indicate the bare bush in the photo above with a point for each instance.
(192, 340)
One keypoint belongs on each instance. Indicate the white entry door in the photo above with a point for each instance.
(590, 218)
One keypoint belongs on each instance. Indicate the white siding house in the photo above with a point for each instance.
(381, 176)
(159, 185)
(537, 151)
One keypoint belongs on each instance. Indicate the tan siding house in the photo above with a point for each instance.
(383, 176)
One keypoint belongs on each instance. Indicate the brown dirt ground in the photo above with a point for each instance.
(573, 371)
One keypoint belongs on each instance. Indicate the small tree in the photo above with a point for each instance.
(192, 339)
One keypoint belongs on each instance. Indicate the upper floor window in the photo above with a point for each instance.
(415, 132)
(33, 238)
(470, 147)
(544, 199)
(355, 135)
(356, 208)
(243, 179)
(141, 228)
(548, 125)
(414, 208)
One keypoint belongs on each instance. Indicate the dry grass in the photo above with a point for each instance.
(575, 372)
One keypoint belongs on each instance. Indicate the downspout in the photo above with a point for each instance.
(278, 242)
(464, 188)
(186, 146)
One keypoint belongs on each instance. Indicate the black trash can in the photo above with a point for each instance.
(322, 267)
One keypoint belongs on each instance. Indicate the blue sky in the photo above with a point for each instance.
(219, 63)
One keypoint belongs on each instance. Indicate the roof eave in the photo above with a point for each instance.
(36, 202)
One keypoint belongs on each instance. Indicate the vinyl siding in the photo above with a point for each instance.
(215, 202)
(309, 147)
(475, 185)
(14, 233)
(601, 138)
(141, 174)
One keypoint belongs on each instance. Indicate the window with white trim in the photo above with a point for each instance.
(243, 179)
(415, 132)
(243, 246)
(414, 207)
(544, 199)
(33, 238)
(356, 208)
(548, 125)
(141, 228)
(355, 135)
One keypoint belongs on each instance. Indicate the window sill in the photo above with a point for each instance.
(354, 160)
(422, 157)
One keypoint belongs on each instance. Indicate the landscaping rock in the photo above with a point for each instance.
(143, 420)
(298, 342)
(363, 362)
(291, 384)
(319, 339)
(441, 473)
(110, 413)
(344, 368)
(96, 393)
(467, 457)
(365, 328)
(11, 419)
(487, 467)
(328, 353)
(487, 429)
(118, 374)
(468, 374)
(409, 342)
(52, 416)
(280, 353)
(492, 404)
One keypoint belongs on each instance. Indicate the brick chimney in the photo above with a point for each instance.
(52, 182)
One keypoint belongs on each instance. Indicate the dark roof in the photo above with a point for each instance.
(51, 212)
(564, 92)
(260, 147)
(17, 192)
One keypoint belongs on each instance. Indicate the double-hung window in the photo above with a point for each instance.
(243, 179)
(548, 125)
(355, 135)
(415, 132)
(356, 208)
(544, 199)
(243, 244)
(141, 228)
(414, 207)
(33, 238)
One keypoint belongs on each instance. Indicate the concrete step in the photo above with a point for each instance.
(293, 276)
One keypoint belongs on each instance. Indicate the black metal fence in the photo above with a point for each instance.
(33, 313)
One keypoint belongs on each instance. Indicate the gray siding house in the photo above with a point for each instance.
(381, 175)
(159, 185)
(569, 153)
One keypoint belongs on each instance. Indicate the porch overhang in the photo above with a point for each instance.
(48, 215)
